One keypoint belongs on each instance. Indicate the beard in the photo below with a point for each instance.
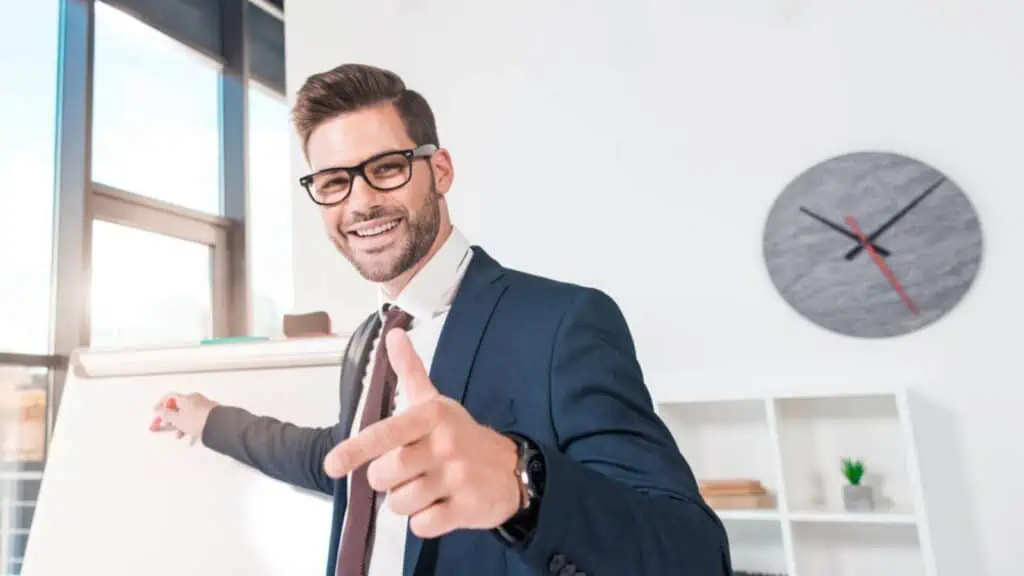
(422, 227)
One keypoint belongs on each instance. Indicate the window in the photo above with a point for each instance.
(148, 289)
(155, 114)
(161, 249)
(28, 51)
(269, 221)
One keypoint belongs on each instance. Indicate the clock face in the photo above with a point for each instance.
(872, 244)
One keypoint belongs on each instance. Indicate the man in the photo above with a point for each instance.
(492, 422)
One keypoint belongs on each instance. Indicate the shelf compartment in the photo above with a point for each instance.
(756, 547)
(853, 549)
(815, 434)
(726, 440)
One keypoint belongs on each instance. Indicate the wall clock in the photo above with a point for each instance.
(872, 244)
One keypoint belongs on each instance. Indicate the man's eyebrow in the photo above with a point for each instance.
(336, 166)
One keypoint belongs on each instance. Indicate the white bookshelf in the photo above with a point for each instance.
(793, 444)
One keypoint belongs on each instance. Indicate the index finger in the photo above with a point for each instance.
(380, 438)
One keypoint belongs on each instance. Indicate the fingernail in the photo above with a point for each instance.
(172, 404)
(155, 425)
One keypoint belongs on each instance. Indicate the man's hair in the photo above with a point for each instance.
(352, 87)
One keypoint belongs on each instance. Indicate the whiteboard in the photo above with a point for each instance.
(119, 500)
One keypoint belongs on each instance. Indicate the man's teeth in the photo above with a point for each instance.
(376, 230)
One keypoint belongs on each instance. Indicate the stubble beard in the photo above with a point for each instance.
(423, 230)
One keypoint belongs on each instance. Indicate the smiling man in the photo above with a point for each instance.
(491, 421)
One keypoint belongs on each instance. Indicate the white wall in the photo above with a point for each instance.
(638, 146)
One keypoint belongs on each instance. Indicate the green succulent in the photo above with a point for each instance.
(853, 469)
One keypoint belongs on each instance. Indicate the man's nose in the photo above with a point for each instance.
(362, 197)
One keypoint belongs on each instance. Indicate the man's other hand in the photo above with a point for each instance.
(185, 415)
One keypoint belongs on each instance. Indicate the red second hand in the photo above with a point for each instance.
(880, 262)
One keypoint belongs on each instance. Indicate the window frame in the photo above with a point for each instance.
(117, 206)
(79, 200)
(246, 38)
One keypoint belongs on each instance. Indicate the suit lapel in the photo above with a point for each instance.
(354, 362)
(357, 357)
(471, 310)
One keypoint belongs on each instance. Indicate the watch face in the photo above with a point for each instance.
(872, 244)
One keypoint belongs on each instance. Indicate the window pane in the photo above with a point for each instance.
(28, 73)
(155, 114)
(23, 435)
(270, 209)
(148, 289)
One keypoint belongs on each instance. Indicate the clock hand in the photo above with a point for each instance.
(882, 266)
(896, 217)
(841, 230)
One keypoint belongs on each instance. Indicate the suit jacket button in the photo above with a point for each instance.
(556, 564)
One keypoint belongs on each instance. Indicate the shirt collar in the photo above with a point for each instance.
(431, 291)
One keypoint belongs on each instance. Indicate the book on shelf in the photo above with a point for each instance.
(736, 494)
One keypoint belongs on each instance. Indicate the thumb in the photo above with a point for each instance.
(412, 375)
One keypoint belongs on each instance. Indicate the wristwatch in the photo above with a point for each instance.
(531, 473)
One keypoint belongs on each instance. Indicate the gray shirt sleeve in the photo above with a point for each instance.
(283, 451)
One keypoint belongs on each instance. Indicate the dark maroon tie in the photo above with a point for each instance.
(361, 511)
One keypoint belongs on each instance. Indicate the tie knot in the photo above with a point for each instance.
(395, 317)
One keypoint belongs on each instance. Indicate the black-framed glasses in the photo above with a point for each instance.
(385, 171)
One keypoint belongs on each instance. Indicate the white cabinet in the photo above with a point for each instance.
(794, 445)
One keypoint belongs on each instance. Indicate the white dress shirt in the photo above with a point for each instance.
(427, 298)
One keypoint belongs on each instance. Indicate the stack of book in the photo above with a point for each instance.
(736, 493)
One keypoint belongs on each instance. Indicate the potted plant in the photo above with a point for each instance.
(856, 497)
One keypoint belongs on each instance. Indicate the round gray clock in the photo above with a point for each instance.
(872, 244)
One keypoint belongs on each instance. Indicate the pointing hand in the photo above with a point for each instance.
(186, 415)
(437, 465)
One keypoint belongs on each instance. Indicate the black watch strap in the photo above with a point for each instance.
(531, 474)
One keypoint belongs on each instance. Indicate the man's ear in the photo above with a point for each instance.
(443, 171)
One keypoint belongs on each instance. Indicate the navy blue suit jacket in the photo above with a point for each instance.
(554, 362)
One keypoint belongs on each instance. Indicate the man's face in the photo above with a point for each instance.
(382, 233)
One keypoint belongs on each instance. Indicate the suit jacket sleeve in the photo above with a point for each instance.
(619, 496)
(280, 450)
